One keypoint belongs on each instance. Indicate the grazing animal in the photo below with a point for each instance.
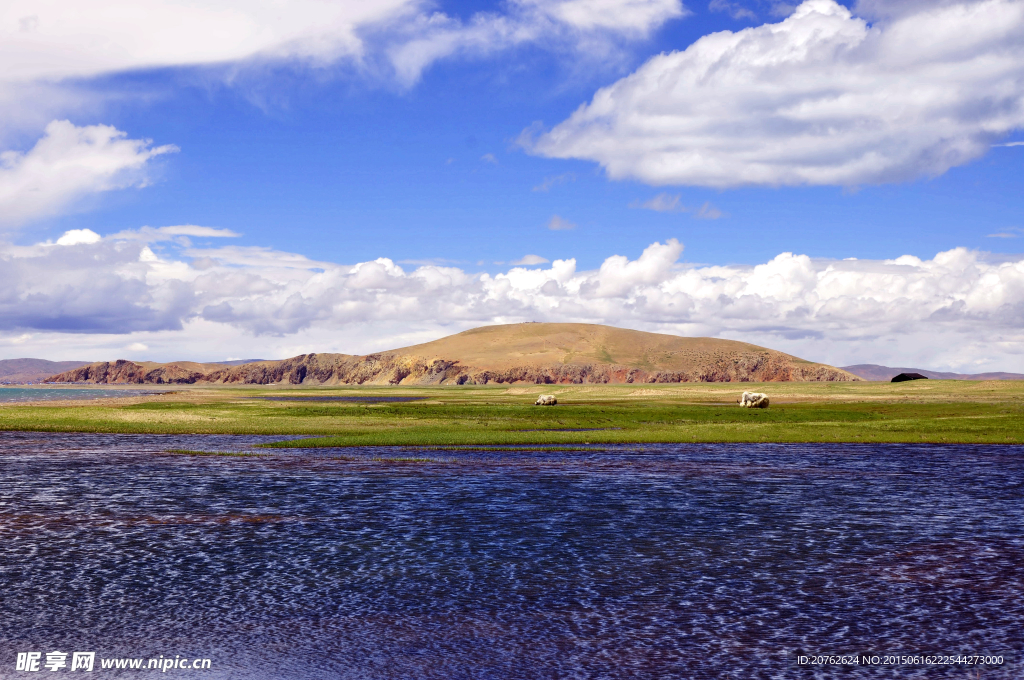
(754, 400)
(545, 400)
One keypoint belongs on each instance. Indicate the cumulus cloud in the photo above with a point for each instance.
(89, 287)
(76, 236)
(68, 163)
(959, 309)
(821, 98)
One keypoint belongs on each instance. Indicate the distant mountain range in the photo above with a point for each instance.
(23, 371)
(33, 370)
(876, 372)
(536, 353)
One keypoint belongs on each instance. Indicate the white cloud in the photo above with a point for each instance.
(1012, 232)
(489, 158)
(51, 51)
(1009, 144)
(532, 259)
(77, 236)
(154, 234)
(255, 256)
(194, 230)
(638, 17)
(590, 28)
(822, 98)
(888, 9)
(557, 223)
(960, 309)
(67, 164)
(54, 40)
(58, 39)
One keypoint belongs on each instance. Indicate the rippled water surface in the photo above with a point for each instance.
(55, 393)
(683, 561)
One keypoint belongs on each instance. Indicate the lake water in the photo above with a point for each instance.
(56, 393)
(682, 561)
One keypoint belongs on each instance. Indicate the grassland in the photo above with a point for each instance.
(919, 411)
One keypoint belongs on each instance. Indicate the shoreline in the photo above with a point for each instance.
(940, 412)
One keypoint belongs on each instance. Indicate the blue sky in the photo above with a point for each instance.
(449, 139)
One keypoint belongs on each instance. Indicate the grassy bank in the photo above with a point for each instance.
(920, 411)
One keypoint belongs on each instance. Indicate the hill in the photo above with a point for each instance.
(33, 370)
(537, 353)
(877, 372)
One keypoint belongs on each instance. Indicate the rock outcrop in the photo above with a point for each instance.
(541, 354)
(120, 372)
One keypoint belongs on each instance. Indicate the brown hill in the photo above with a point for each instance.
(539, 353)
(33, 370)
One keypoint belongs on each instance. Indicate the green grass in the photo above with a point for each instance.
(487, 416)
(230, 454)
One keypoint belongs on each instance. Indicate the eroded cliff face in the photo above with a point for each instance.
(119, 372)
(748, 368)
(397, 369)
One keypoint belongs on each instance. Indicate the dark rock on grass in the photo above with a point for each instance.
(904, 377)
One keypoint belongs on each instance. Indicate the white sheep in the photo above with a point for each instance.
(754, 400)
(545, 400)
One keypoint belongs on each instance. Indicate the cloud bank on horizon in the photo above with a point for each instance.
(117, 293)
